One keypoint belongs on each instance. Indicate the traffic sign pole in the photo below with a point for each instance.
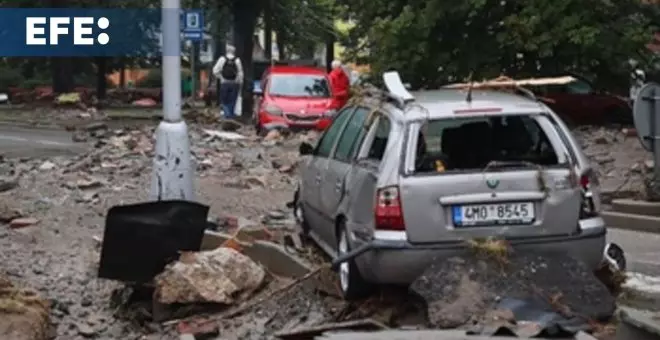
(172, 174)
(646, 111)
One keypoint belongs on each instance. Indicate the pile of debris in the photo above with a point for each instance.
(23, 314)
(621, 162)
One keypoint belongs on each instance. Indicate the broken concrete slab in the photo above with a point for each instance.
(461, 290)
(638, 207)
(638, 325)
(272, 256)
(222, 276)
(634, 222)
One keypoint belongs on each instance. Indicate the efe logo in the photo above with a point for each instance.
(35, 30)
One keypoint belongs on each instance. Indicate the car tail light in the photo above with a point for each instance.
(587, 181)
(389, 214)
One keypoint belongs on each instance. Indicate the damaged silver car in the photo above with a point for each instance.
(397, 182)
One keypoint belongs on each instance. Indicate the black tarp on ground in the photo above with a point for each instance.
(140, 239)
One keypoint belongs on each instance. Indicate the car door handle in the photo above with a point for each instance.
(318, 178)
(339, 185)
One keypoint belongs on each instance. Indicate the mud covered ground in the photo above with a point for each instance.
(65, 200)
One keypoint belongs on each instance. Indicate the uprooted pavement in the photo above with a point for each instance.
(54, 214)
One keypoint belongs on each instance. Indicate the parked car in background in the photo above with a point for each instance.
(578, 102)
(295, 97)
(408, 180)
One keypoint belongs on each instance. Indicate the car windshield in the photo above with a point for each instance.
(480, 143)
(298, 85)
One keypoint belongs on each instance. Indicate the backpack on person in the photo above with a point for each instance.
(230, 69)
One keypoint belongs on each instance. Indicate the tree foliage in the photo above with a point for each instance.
(437, 41)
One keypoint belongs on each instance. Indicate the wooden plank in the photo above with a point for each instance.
(508, 82)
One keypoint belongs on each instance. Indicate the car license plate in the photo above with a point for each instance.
(493, 214)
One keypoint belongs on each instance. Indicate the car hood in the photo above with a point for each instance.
(301, 104)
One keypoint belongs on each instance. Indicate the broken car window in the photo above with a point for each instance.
(474, 143)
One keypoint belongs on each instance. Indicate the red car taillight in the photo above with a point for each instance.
(388, 212)
(588, 208)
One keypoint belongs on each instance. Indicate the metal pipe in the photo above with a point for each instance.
(351, 254)
(171, 27)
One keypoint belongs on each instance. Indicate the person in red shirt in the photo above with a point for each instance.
(340, 83)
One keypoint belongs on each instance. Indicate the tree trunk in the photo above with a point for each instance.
(329, 51)
(62, 73)
(245, 20)
(28, 68)
(268, 30)
(281, 44)
(101, 81)
(220, 43)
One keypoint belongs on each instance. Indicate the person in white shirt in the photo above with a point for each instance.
(229, 71)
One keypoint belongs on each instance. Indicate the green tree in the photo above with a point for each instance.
(433, 42)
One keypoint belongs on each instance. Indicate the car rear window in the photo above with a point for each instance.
(299, 85)
(476, 142)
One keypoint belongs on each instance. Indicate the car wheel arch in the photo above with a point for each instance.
(340, 222)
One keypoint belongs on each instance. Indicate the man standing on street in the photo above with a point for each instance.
(230, 72)
(340, 83)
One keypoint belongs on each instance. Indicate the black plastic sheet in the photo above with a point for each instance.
(140, 239)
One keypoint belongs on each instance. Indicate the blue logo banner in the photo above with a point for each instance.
(78, 32)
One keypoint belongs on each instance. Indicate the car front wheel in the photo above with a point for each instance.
(352, 285)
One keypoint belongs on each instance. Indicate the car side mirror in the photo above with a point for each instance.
(305, 149)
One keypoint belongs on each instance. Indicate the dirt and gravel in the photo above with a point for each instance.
(54, 247)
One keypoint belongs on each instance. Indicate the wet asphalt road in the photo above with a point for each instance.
(32, 142)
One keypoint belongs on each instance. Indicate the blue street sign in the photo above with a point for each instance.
(192, 24)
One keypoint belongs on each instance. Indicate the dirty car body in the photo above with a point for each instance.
(295, 97)
(395, 184)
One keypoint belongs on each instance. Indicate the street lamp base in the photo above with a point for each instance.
(173, 173)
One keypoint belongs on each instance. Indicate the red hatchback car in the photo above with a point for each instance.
(295, 97)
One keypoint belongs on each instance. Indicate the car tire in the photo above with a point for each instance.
(351, 283)
(299, 214)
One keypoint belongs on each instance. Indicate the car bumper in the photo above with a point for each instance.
(388, 260)
(270, 121)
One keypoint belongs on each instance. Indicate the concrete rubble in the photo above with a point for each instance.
(60, 203)
(222, 276)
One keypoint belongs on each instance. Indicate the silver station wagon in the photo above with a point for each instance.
(397, 182)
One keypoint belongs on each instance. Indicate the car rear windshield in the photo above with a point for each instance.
(299, 85)
(478, 143)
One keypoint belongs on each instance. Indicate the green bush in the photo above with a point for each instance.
(31, 84)
(89, 81)
(10, 78)
(153, 79)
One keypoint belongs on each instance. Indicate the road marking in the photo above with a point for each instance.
(642, 282)
(38, 141)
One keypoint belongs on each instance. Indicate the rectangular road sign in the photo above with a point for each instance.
(192, 24)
